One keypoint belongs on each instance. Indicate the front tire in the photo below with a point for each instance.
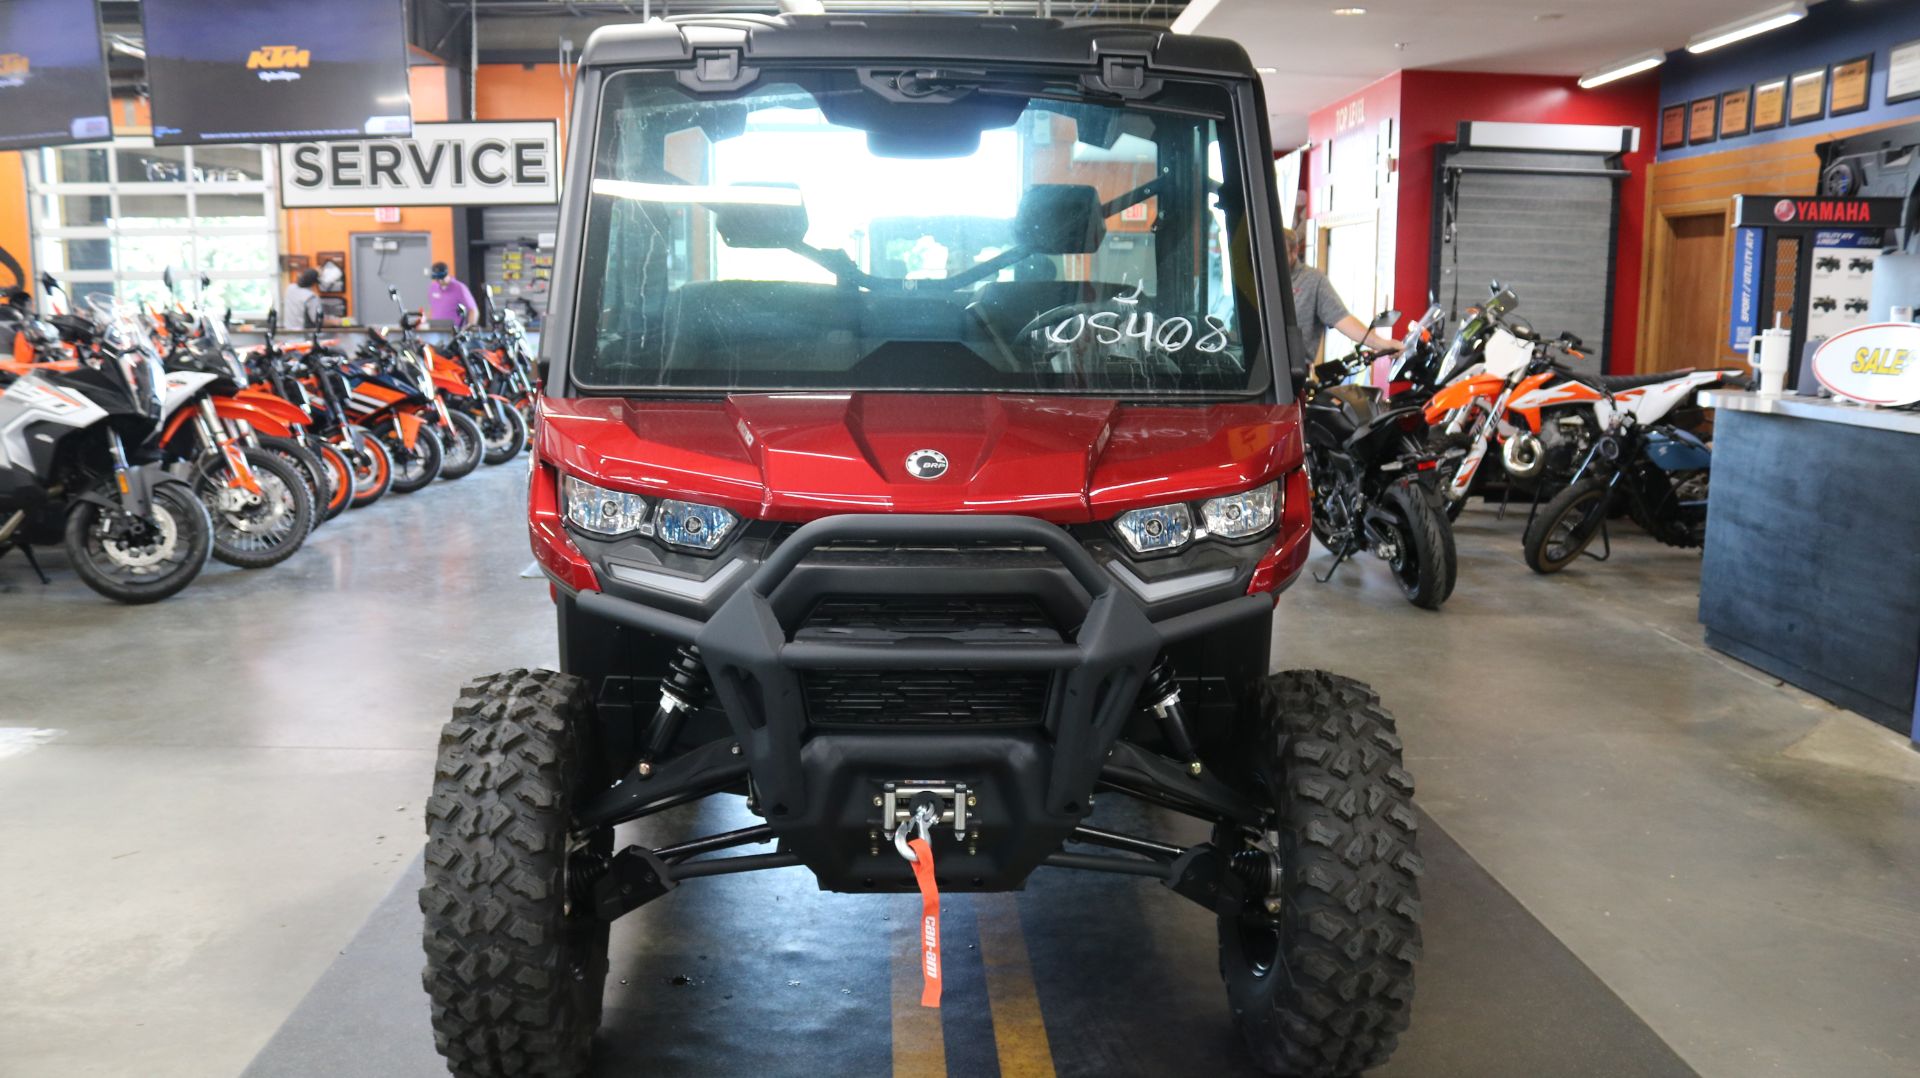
(372, 468)
(154, 560)
(1320, 972)
(1566, 525)
(1426, 562)
(463, 445)
(505, 430)
(514, 972)
(254, 531)
(414, 467)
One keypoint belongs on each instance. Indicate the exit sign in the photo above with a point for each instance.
(386, 215)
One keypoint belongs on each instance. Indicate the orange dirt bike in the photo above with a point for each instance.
(475, 358)
(358, 459)
(252, 415)
(392, 387)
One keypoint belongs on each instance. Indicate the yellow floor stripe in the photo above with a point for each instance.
(1018, 1031)
(919, 1046)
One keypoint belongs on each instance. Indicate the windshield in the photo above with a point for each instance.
(824, 230)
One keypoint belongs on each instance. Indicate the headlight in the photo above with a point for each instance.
(604, 512)
(1237, 516)
(691, 525)
(1164, 527)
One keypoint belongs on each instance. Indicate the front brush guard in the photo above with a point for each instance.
(756, 668)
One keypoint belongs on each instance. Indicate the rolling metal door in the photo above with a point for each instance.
(516, 265)
(1541, 223)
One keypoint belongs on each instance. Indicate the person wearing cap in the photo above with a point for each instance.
(446, 295)
(300, 304)
(1319, 309)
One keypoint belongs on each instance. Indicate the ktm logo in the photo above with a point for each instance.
(12, 65)
(275, 57)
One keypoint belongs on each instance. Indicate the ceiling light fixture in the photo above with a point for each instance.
(1267, 70)
(1632, 65)
(1192, 14)
(1760, 22)
(1349, 11)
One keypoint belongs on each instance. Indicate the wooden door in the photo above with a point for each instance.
(1690, 266)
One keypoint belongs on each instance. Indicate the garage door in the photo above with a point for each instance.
(1541, 223)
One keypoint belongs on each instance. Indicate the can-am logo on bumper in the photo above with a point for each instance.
(275, 62)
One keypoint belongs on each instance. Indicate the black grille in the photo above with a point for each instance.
(920, 698)
(979, 618)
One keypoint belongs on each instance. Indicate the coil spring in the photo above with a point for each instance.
(1160, 682)
(584, 869)
(1259, 870)
(686, 678)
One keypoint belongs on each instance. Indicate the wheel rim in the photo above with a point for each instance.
(498, 433)
(460, 445)
(1405, 561)
(146, 551)
(251, 523)
(408, 464)
(1572, 530)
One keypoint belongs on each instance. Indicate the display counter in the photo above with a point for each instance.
(1812, 565)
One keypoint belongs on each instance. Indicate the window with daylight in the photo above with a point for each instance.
(112, 219)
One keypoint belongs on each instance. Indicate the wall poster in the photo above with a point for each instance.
(1903, 73)
(1673, 127)
(1770, 105)
(1735, 112)
(1849, 90)
(1808, 96)
(1703, 119)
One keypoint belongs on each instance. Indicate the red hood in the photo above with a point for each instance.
(797, 456)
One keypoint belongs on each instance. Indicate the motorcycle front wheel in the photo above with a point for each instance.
(141, 561)
(415, 466)
(255, 529)
(1565, 525)
(462, 445)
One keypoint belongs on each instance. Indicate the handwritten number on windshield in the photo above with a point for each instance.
(1169, 336)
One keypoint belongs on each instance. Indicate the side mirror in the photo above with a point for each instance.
(166, 278)
(1385, 320)
(460, 309)
(206, 281)
(273, 322)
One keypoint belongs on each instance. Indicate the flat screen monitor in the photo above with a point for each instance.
(276, 70)
(53, 74)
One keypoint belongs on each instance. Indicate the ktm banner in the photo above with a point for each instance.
(1805, 211)
(458, 164)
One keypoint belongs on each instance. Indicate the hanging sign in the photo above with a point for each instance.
(1876, 364)
(1801, 211)
(459, 164)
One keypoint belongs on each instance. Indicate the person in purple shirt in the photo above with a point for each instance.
(445, 296)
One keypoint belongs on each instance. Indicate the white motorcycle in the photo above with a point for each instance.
(80, 467)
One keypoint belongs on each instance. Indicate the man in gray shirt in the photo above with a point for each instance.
(1319, 309)
(300, 304)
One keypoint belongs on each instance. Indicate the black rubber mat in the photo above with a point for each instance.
(763, 974)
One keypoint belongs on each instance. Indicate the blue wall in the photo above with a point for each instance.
(1833, 32)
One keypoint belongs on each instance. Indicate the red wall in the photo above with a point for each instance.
(1434, 103)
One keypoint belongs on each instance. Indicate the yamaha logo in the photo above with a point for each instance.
(927, 463)
(1784, 210)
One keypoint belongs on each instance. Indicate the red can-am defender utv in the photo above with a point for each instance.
(919, 458)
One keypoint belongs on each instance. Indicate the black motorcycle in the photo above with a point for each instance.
(1364, 457)
(1658, 474)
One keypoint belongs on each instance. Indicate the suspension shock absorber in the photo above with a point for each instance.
(683, 690)
(1162, 696)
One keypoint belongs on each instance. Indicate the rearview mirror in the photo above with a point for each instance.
(166, 278)
(1385, 320)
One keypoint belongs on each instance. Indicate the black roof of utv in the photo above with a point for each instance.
(910, 38)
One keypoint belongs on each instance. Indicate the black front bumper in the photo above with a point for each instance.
(817, 784)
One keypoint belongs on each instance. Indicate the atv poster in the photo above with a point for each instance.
(1841, 287)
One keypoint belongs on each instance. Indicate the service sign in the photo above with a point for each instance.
(1876, 364)
(459, 164)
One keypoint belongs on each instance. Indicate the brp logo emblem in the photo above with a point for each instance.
(927, 463)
